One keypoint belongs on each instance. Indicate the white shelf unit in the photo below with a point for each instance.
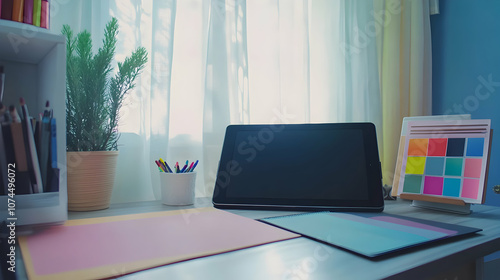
(34, 63)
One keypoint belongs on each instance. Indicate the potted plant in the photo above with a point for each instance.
(94, 96)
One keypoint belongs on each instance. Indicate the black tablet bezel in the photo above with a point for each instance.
(227, 168)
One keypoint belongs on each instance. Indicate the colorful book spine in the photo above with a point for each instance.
(7, 139)
(18, 10)
(28, 11)
(33, 163)
(19, 146)
(45, 16)
(6, 12)
(23, 178)
(37, 11)
(44, 149)
(53, 143)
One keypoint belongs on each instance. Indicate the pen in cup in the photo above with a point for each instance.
(163, 166)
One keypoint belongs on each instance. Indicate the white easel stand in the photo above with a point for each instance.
(458, 209)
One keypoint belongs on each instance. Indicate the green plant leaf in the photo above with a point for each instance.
(94, 98)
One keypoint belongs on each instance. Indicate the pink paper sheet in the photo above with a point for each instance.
(174, 237)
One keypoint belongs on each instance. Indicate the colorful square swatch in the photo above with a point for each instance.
(412, 184)
(475, 147)
(455, 147)
(434, 166)
(433, 185)
(470, 188)
(473, 167)
(415, 165)
(451, 187)
(453, 167)
(418, 147)
(437, 147)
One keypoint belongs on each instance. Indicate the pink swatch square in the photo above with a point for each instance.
(470, 188)
(473, 167)
(433, 185)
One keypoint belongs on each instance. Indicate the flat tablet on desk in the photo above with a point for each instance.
(302, 167)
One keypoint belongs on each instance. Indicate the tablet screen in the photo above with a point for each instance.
(313, 166)
(291, 164)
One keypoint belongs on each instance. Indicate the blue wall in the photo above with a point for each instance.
(466, 55)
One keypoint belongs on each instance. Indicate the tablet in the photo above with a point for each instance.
(301, 167)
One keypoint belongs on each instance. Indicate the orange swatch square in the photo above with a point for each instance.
(418, 147)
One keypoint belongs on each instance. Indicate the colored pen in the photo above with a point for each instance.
(184, 168)
(162, 163)
(189, 168)
(194, 166)
(159, 166)
(166, 165)
(176, 167)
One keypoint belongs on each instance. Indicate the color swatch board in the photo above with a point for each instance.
(368, 234)
(447, 159)
(112, 246)
(402, 141)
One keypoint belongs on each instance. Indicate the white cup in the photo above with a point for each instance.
(177, 188)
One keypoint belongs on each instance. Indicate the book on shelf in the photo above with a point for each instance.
(18, 10)
(33, 12)
(30, 147)
(37, 11)
(33, 162)
(53, 143)
(16, 130)
(28, 11)
(7, 6)
(45, 15)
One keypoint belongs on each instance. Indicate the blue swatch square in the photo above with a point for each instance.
(451, 187)
(455, 147)
(475, 147)
(434, 166)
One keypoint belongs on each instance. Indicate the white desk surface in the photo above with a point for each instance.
(302, 258)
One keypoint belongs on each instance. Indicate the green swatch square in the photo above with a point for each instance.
(412, 184)
(453, 166)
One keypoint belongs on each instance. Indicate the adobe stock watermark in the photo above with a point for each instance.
(471, 103)
(310, 264)
(363, 37)
(251, 147)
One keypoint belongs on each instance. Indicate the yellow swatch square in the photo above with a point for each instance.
(415, 165)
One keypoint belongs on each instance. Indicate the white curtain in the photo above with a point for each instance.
(214, 63)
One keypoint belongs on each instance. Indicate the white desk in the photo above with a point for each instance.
(302, 258)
